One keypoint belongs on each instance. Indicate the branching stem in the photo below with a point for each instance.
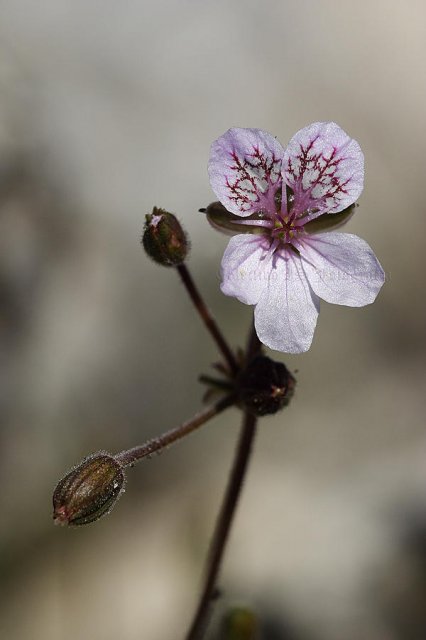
(155, 445)
(227, 512)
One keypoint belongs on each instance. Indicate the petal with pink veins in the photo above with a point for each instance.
(286, 314)
(325, 169)
(245, 268)
(342, 268)
(245, 170)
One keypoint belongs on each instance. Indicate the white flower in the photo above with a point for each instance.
(283, 263)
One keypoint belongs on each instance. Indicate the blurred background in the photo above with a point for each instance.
(107, 108)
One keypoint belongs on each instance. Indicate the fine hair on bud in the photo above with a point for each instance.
(163, 238)
(89, 490)
(265, 386)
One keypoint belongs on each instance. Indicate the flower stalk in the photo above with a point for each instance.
(155, 445)
(207, 317)
(227, 511)
(223, 525)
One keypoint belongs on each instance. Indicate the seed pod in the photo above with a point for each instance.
(265, 386)
(88, 491)
(163, 238)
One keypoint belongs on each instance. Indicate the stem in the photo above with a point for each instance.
(253, 344)
(207, 317)
(228, 508)
(129, 457)
(223, 525)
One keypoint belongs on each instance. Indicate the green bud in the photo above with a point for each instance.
(239, 624)
(88, 491)
(163, 238)
(264, 386)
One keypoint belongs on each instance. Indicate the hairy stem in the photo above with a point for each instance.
(207, 317)
(223, 526)
(155, 445)
(227, 512)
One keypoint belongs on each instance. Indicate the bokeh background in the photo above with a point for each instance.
(107, 108)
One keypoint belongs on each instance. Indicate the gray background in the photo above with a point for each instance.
(107, 108)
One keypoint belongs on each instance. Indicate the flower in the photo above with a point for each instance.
(279, 201)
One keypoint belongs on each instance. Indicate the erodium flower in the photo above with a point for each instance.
(279, 201)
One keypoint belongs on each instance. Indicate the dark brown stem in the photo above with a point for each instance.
(227, 512)
(207, 317)
(253, 344)
(155, 445)
(223, 526)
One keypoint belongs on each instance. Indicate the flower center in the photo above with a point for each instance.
(285, 229)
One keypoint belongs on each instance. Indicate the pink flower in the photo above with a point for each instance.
(281, 261)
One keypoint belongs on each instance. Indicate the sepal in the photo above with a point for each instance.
(226, 222)
(330, 221)
(265, 386)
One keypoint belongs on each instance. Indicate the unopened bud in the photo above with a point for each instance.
(163, 238)
(88, 491)
(239, 624)
(264, 386)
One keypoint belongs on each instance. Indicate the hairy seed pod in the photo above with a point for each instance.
(88, 491)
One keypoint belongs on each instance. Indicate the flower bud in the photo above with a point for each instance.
(163, 238)
(264, 386)
(239, 624)
(88, 491)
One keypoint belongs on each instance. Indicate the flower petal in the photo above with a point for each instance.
(286, 314)
(324, 167)
(246, 268)
(245, 170)
(342, 268)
